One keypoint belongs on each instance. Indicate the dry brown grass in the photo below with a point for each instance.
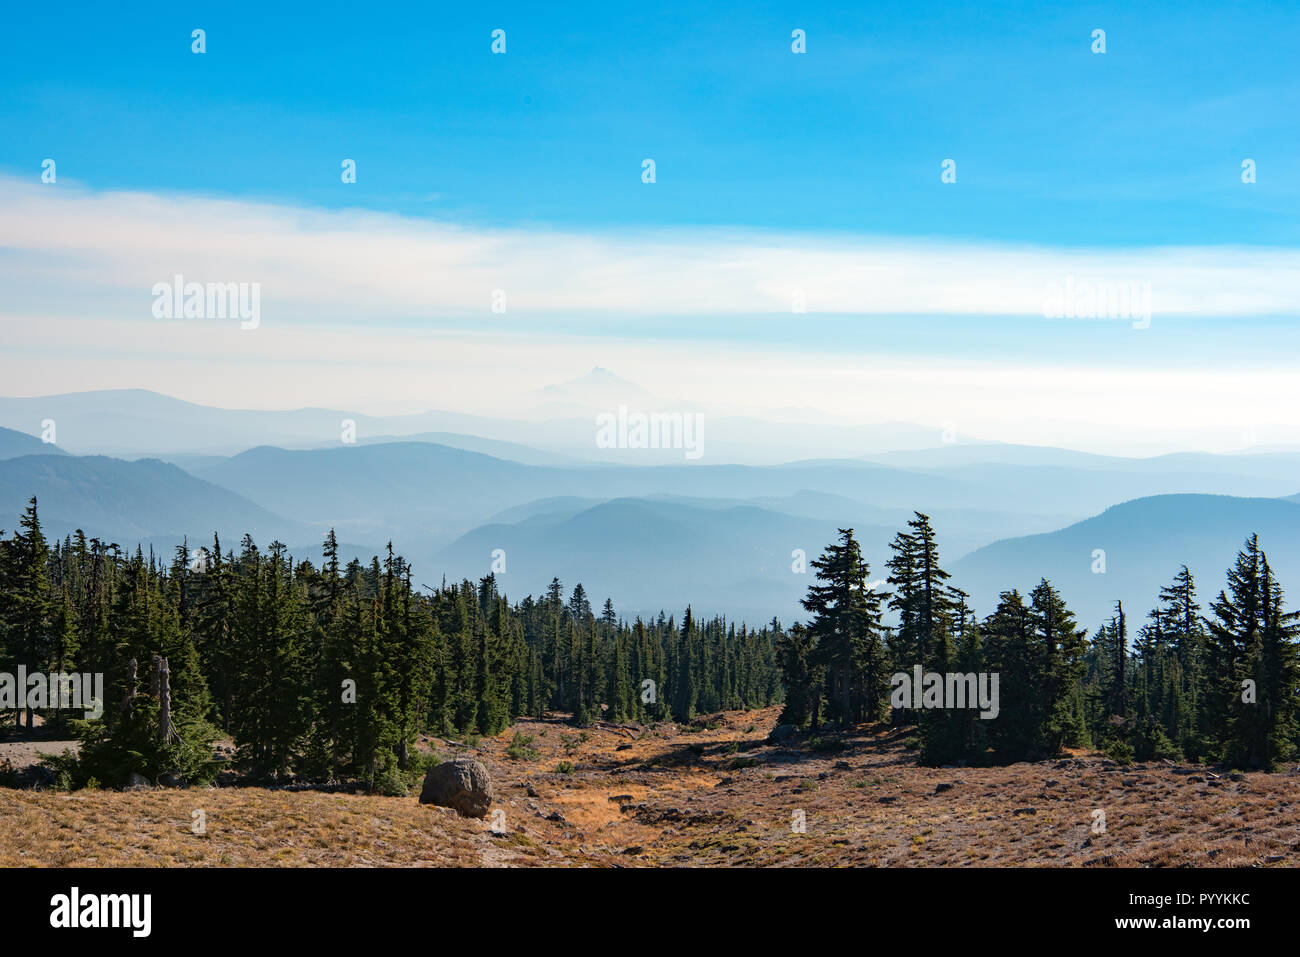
(679, 796)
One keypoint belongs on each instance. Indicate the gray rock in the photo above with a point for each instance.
(462, 784)
(137, 782)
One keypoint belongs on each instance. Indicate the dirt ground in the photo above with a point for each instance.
(713, 793)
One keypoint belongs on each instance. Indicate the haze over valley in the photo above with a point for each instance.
(535, 497)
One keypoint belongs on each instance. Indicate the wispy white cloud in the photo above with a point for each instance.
(365, 266)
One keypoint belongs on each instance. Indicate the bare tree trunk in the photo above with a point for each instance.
(162, 685)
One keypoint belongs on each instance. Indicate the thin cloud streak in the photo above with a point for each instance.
(363, 266)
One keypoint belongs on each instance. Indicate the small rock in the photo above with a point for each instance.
(943, 786)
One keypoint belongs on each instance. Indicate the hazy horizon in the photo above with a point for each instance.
(577, 404)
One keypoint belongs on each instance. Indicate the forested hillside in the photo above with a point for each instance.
(324, 672)
(329, 672)
(1182, 684)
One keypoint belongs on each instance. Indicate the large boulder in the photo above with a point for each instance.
(462, 784)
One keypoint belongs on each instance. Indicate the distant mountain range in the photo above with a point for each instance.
(557, 421)
(557, 425)
(1144, 541)
(130, 502)
(656, 555)
(428, 490)
(649, 535)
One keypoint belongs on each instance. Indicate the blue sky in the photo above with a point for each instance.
(1141, 145)
(779, 177)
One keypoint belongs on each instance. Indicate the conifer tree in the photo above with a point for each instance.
(27, 613)
(848, 634)
(1252, 666)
